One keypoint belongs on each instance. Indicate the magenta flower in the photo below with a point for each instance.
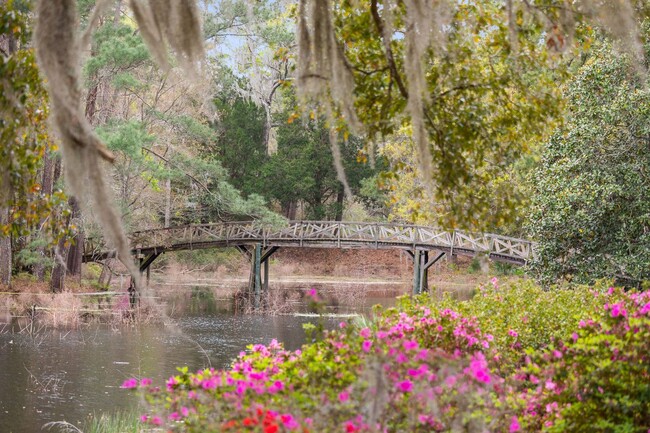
(405, 386)
(289, 421)
(145, 381)
(645, 309)
(513, 333)
(130, 383)
(366, 345)
(171, 382)
(344, 396)
(514, 425)
(618, 310)
(410, 345)
(479, 368)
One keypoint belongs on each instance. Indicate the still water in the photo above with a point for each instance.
(71, 375)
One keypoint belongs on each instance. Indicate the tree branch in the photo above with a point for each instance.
(392, 66)
(201, 184)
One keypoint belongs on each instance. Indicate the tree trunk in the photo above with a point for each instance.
(168, 202)
(47, 186)
(60, 251)
(75, 253)
(5, 249)
(57, 282)
(340, 195)
(8, 46)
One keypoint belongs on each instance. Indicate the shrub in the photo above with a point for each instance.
(598, 380)
(579, 362)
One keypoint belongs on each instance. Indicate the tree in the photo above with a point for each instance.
(26, 208)
(591, 193)
(303, 170)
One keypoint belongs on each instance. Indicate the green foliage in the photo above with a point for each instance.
(240, 131)
(303, 169)
(591, 207)
(23, 134)
(485, 103)
(116, 48)
(598, 379)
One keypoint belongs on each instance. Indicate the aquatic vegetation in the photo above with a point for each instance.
(435, 366)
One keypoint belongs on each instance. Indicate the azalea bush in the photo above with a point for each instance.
(436, 366)
(598, 379)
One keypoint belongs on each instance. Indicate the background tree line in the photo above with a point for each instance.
(530, 134)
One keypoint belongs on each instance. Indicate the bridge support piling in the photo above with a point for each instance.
(417, 275)
(257, 282)
(424, 272)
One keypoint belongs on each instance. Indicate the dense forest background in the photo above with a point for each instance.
(542, 135)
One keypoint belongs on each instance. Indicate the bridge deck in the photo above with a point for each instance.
(319, 234)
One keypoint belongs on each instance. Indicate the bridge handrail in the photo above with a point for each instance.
(346, 232)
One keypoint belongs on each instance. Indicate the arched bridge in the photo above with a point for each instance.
(259, 242)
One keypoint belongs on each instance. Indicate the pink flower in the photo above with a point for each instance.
(582, 324)
(557, 354)
(171, 382)
(289, 421)
(410, 345)
(575, 336)
(174, 416)
(549, 385)
(344, 396)
(155, 420)
(366, 345)
(130, 383)
(514, 425)
(185, 411)
(479, 368)
(365, 333)
(401, 358)
(645, 310)
(618, 310)
(405, 386)
(342, 325)
(513, 333)
(145, 381)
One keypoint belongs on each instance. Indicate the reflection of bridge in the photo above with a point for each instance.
(260, 242)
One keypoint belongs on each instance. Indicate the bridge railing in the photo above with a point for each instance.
(328, 233)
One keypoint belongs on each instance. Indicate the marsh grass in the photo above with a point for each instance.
(119, 422)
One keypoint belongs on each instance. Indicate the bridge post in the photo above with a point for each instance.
(424, 279)
(417, 275)
(257, 256)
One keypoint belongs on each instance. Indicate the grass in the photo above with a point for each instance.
(119, 422)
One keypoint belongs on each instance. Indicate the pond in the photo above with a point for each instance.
(67, 375)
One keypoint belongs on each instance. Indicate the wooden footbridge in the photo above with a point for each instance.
(426, 245)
